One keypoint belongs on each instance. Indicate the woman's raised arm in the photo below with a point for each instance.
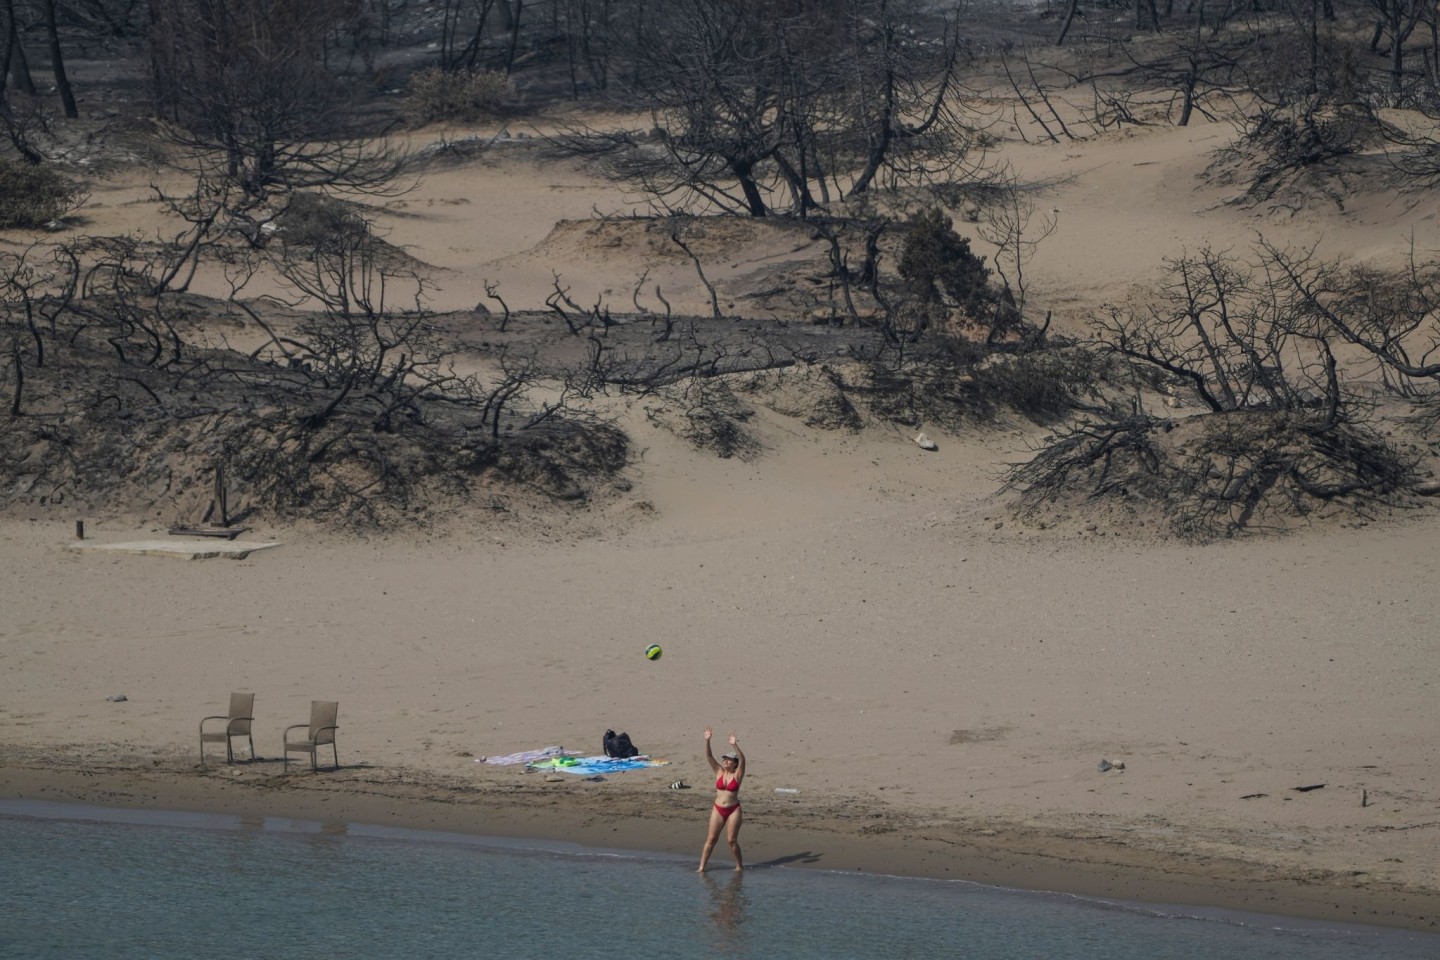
(710, 757)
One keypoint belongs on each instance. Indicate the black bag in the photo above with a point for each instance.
(618, 745)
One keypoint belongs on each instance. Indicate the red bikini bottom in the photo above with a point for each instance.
(726, 811)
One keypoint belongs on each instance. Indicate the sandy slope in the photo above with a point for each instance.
(1123, 202)
(858, 610)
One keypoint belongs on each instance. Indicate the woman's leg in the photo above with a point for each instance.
(712, 837)
(732, 836)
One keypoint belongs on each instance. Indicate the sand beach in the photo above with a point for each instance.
(937, 681)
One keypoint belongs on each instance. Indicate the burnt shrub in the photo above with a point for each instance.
(33, 195)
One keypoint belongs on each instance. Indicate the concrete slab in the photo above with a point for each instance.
(180, 549)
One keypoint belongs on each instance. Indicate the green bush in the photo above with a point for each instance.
(321, 222)
(437, 95)
(32, 196)
(935, 259)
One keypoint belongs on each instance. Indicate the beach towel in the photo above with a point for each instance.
(589, 766)
(525, 756)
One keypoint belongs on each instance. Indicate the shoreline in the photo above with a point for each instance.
(809, 831)
(46, 810)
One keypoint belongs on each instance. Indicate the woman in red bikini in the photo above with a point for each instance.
(729, 771)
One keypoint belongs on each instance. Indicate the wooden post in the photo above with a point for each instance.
(79, 529)
(222, 509)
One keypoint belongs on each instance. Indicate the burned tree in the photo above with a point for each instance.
(57, 59)
(1279, 433)
(1414, 146)
(351, 409)
(14, 64)
(1232, 342)
(786, 106)
(245, 88)
(1390, 316)
(462, 39)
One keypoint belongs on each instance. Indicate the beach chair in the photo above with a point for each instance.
(237, 724)
(320, 731)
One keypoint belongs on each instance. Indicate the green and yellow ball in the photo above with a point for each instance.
(652, 652)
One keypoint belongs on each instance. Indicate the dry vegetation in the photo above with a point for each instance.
(344, 397)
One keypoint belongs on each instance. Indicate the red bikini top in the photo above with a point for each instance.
(733, 785)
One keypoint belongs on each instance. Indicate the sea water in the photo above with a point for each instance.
(211, 888)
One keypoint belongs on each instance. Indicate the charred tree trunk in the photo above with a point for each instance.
(1187, 107)
(1069, 19)
(19, 66)
(19, 379)
(514, 31)
(449, 26)
(57, 62)
(7, 43)
(743, 171)
(1397, 47)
